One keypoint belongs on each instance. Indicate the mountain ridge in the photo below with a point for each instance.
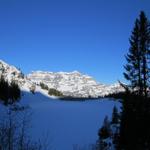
(72, 84)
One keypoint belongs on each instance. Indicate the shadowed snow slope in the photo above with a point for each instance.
(67, 122)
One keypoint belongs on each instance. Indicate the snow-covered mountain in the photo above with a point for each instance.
(71, 84)
(11, 73)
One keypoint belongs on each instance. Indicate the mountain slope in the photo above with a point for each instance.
(10, 72)
(71, 84)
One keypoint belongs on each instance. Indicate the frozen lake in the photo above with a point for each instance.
(64, 124)
(67, 123)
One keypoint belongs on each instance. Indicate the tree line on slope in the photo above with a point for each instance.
(51, 91)
(9, 92)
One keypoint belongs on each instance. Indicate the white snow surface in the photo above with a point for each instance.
(11, 73)
(67, 122)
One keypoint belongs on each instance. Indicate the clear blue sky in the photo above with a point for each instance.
(90, 36)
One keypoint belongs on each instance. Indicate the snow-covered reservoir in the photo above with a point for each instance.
(67, 122)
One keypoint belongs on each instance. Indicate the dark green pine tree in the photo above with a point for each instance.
(9, 93)
(105, 130)
(135, 116)
(4, 90)
(137, 68)
(104, 133)
(134, 59)
(115, 116)
(14, 92)
(144, 46)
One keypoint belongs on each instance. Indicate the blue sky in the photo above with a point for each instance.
(90, 36)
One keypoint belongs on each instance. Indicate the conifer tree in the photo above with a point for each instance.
(104, 133)
(4, 90)
(144, 46)
(9, 93)
(135, 116)
(137, 68)
(115, 116)
(14, 92)
(105, 130)
(133, 68)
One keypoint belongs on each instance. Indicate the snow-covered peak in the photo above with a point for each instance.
(10, 72)
(71, 84)
(74, 84)
(60, 72)
(8, 67)
(2, 62)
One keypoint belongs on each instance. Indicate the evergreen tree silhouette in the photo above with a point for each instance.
(135, 116)
(4, 90)
(144, 46)
(137, 68)
(14, 92)
(9, 93)
(105, 130)
(115, 116)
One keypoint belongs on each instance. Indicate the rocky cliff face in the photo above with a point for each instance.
(11, 73)
(72, 84)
